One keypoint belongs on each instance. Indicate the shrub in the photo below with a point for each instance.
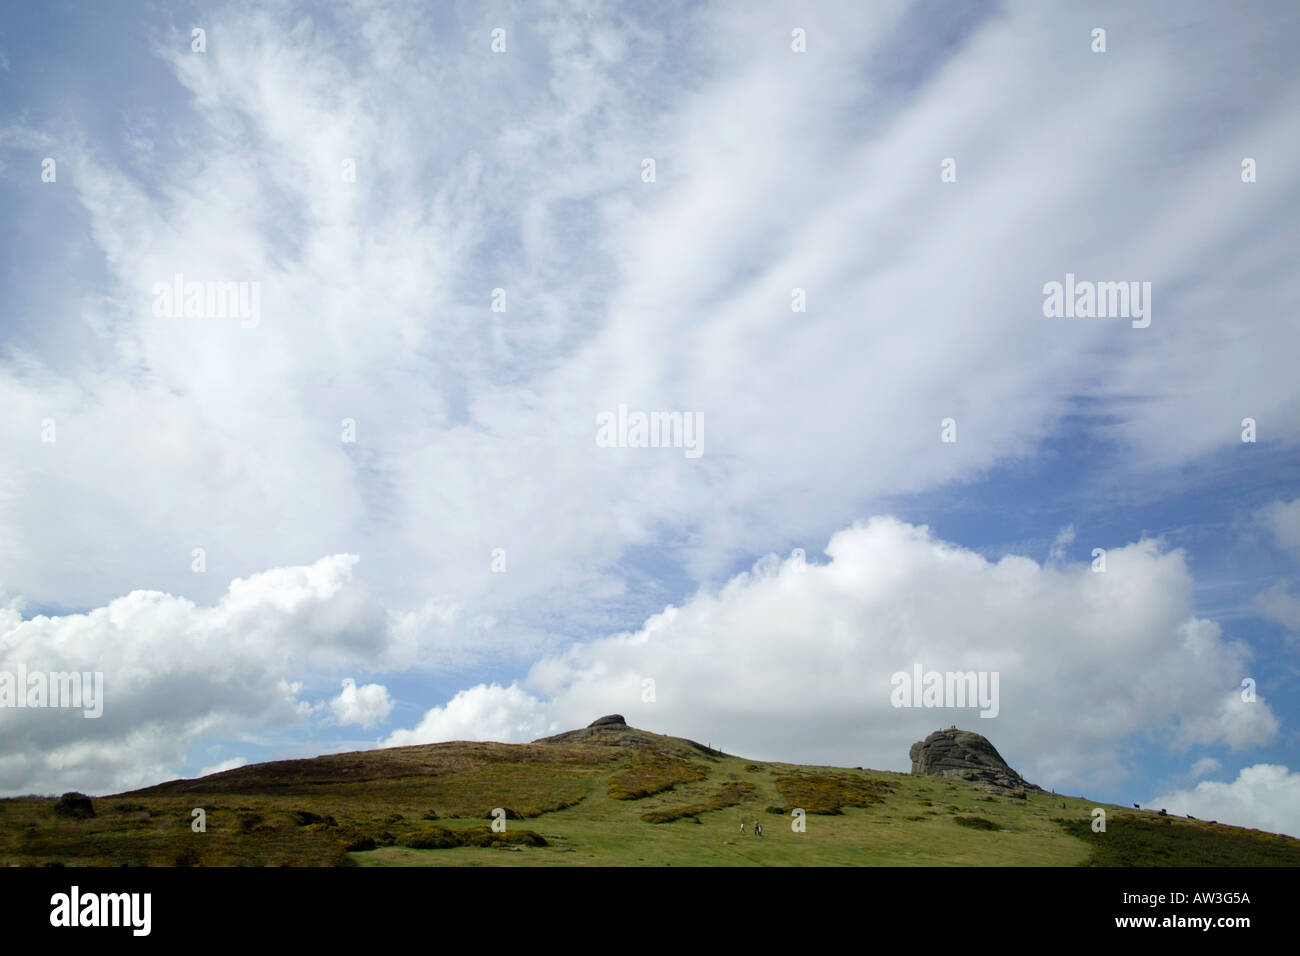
(75, 805)
(445, 838)
(354, 841)
(306, 818)
(486, 836)
(431, 838)
(187, 857)
(1131, 840)
(976, 823)
(651, 774)
(731, 794)
(826, 793)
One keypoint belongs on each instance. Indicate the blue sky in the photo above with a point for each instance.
(474, 563)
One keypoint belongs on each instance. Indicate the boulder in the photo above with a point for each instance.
(609, 720)
(963, 755)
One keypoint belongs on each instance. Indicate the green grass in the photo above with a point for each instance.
(571, 804)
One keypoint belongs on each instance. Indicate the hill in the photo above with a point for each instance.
(606, 794)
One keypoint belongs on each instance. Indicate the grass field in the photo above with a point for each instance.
(648, 801)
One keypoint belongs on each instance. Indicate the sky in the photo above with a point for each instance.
(393, 490)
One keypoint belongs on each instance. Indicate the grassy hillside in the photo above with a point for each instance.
(610, 799)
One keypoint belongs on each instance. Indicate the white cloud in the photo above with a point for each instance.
(1280, 605)
(794, 662)
(1064, 538)
(483, 712)
(1265, 797)
(366, 705)
(1282, 518)
(175, 671)
(1205, 765)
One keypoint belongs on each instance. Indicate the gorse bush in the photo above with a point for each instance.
(731, 794)
(75, 805)
(1132, 840)
(651, 774)
(827, 793)
(446, 838)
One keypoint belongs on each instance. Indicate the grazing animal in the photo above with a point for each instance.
(1190, 817)
(1162, 812)
(1137, 806)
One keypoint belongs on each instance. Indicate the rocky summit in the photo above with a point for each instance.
(967, 756)
(612, 731)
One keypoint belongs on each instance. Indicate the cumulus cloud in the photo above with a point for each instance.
(793, 660)
(367, 705)
(1206, 765)
(1265, 797)
(483, 712)
(175, 671)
